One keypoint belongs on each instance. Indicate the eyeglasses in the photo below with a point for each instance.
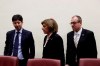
(74, 22)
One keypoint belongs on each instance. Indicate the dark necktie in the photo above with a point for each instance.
(16, 43)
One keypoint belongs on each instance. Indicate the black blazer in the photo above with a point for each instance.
(54, 48)
(86, 47)
(27, 44)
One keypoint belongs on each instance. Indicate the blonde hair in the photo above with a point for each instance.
(52, 25)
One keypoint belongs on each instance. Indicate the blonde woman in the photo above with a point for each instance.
(53, 43)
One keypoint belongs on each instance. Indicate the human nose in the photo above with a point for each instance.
(42, 28)
(17, 24)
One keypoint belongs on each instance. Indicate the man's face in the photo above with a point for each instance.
(17, 24)
(75, 24)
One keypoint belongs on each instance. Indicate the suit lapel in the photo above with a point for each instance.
(44, 40)
(81, 37)
(72, 38)
(12, 36)
(22, 36)
(50, 39)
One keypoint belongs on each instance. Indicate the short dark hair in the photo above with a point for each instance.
(17, 17)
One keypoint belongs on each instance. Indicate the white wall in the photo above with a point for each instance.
(35, 11)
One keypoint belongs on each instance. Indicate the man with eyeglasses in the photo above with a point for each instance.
(80, 43)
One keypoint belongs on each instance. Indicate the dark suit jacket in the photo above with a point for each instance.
(54, 48)
(27, 44)
(86, 47)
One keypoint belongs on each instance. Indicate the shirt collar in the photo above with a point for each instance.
(19, 30)
(49, 35)
(79, 32)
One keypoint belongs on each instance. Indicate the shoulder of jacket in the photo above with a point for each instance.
(87, 31)
(71, 32)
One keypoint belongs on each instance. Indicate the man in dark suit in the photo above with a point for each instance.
(53, 43)
(80, 43)
(19, 42)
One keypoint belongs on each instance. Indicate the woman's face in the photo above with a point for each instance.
(45, 29)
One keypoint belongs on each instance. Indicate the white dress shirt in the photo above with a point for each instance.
(77, 37)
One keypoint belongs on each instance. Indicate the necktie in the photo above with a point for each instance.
(76, 39)
(16, 43)
(76, 43)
